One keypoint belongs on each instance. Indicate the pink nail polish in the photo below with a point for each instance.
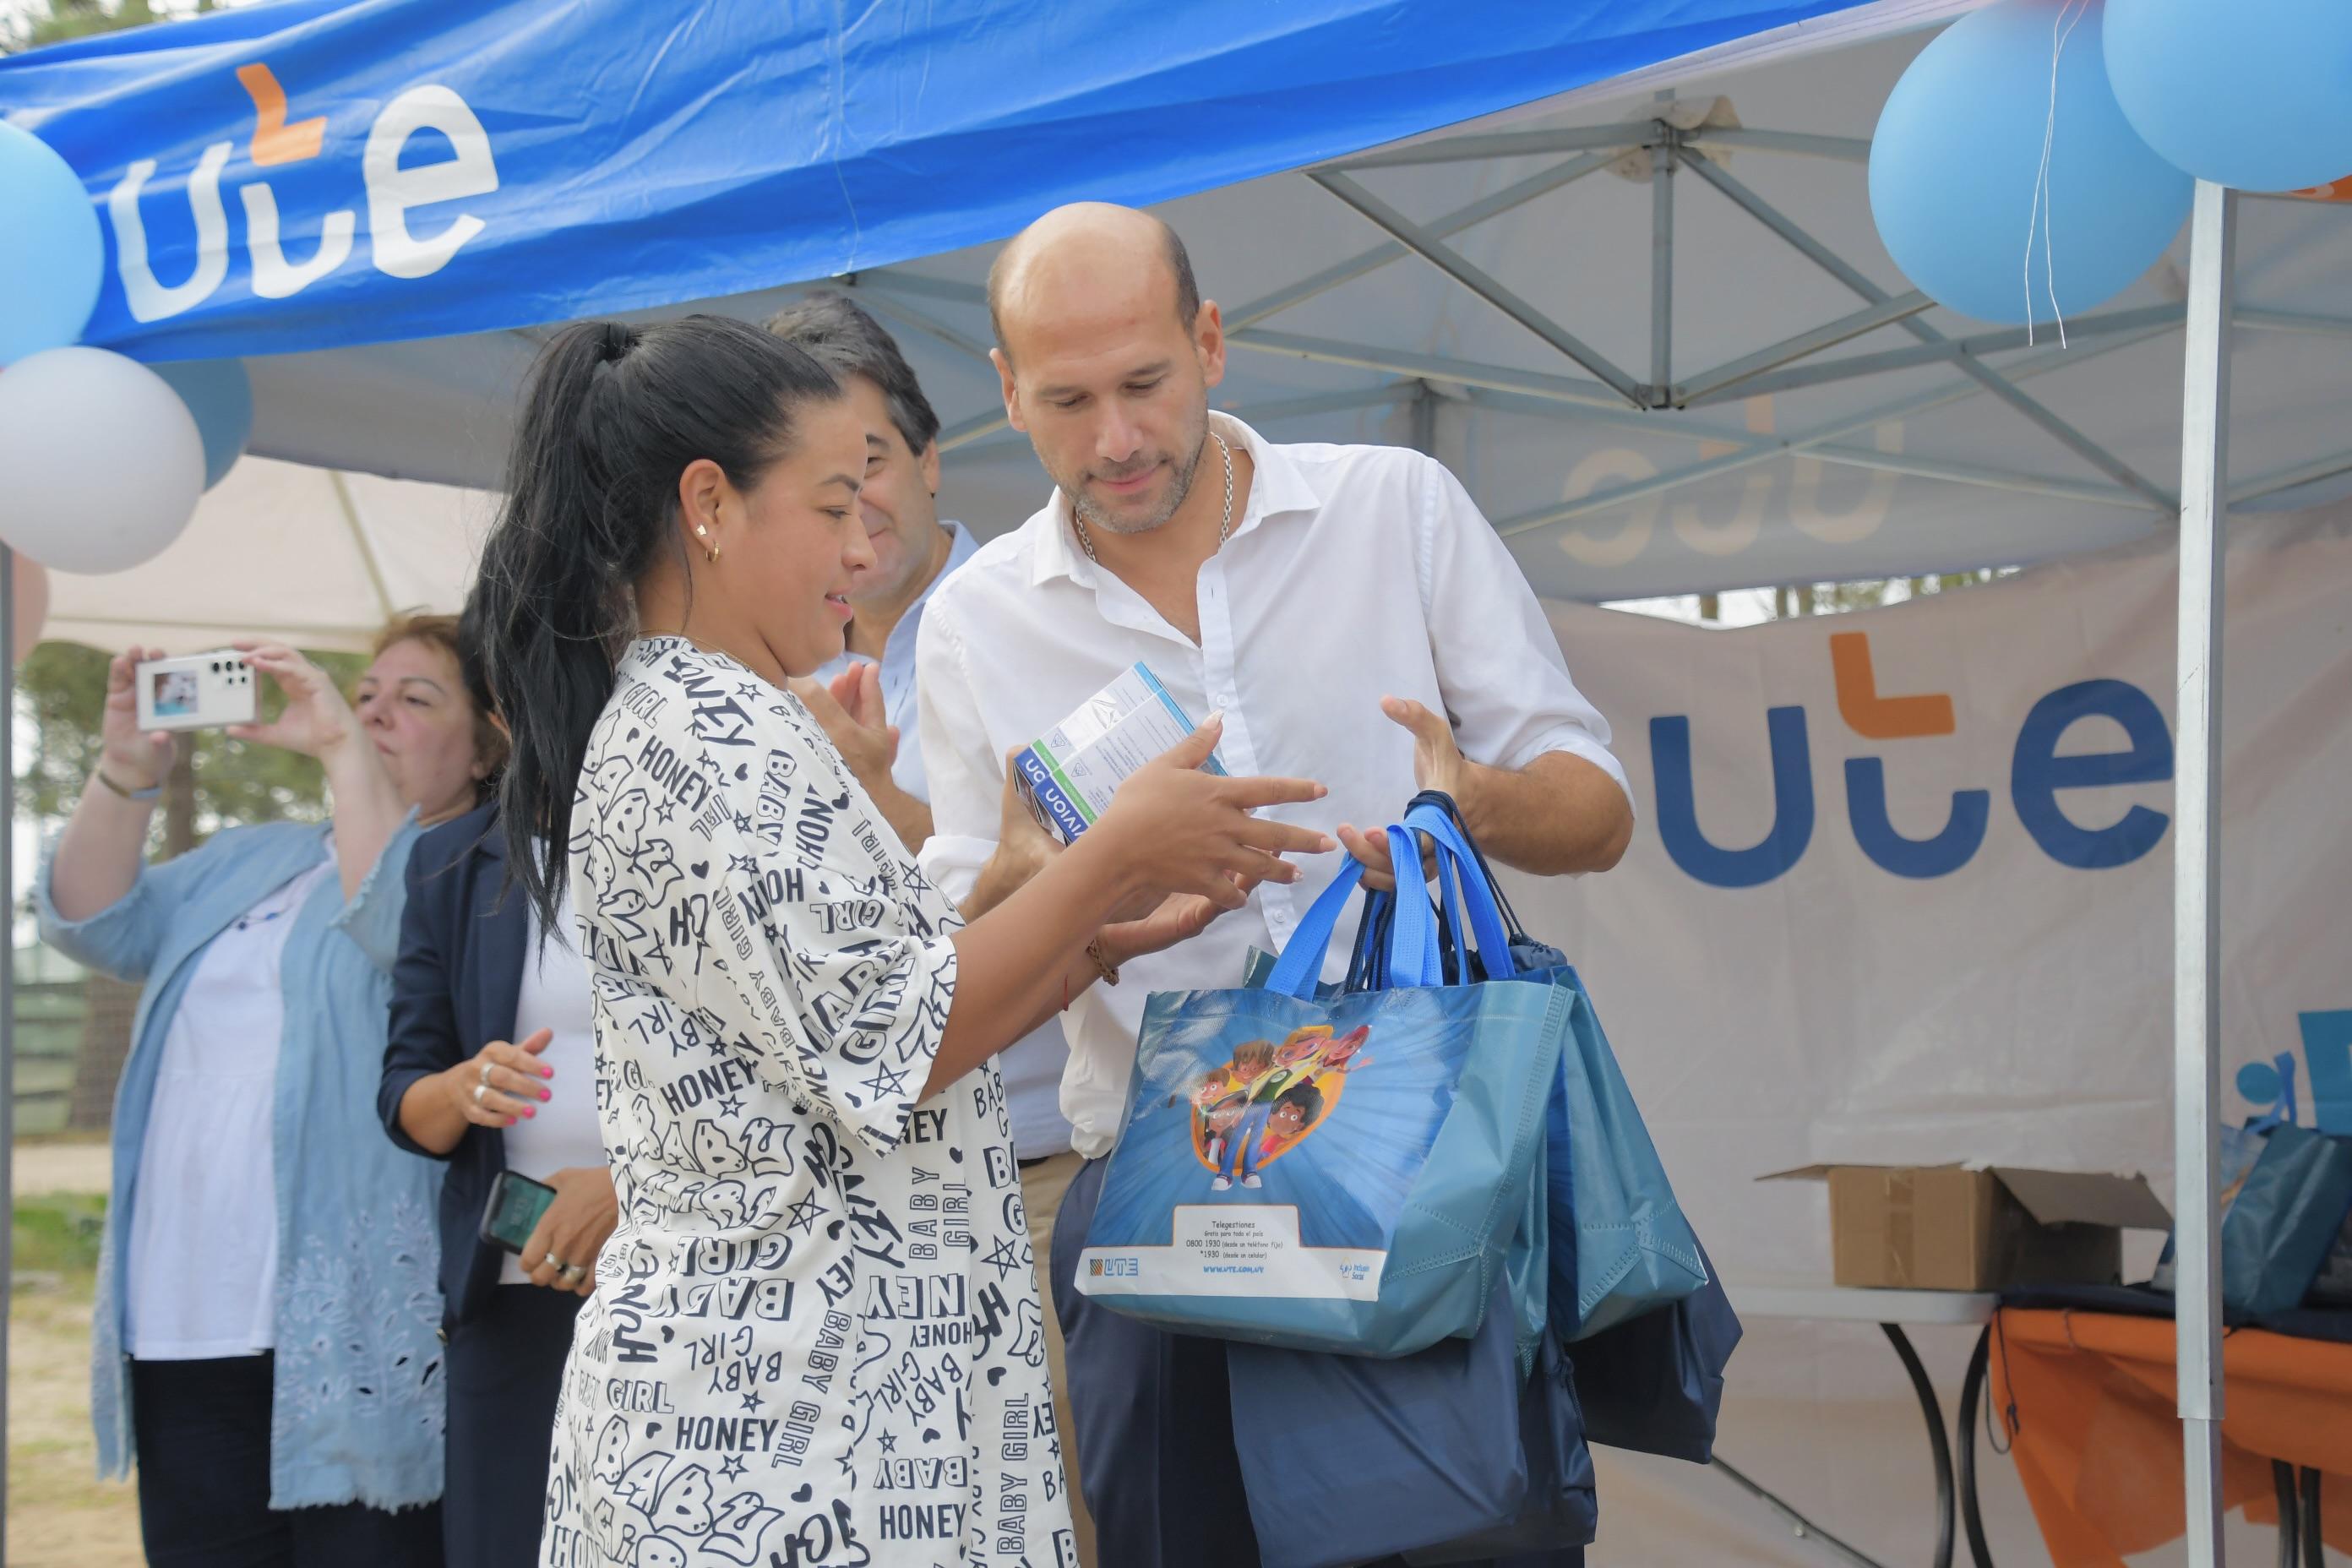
(546, 1094)
(527, 1111)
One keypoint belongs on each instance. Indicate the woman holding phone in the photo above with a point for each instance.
(489, 1065)
(263, 1338)
(816, 1324)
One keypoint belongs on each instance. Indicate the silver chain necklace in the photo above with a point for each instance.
(1224, 526)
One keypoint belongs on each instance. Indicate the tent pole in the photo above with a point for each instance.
(1662, 263)
(2196, 858)
(7, 995)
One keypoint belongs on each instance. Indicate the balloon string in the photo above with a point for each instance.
(2039, 215)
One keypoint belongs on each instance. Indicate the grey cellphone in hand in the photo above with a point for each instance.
(513, 1212)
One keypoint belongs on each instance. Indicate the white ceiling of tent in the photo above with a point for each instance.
(1911, 470)
(316, 557)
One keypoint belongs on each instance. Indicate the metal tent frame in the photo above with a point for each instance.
(1607, 394)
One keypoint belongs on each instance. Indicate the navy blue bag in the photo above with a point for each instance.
(1472, 1450)
(1654, 1383)
(1559, 1514)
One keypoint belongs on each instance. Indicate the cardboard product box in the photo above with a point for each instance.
(1944, 1228)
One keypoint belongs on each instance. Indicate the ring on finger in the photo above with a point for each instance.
(480, 1089)
(486, 1072)
(558, 1264)
(572, 1273)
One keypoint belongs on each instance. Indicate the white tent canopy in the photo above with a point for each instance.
(315, 556)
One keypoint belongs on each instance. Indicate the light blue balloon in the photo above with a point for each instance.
(220, 395)
(1958, 146)
(2251, 93)
(52, 258)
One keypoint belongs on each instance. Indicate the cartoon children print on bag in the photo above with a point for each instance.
(1251, 1110)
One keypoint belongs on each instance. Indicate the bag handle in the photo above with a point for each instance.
(1368, 968)
(1413, 937)
(1445, 802)
(1455, 855)
(1465, 886)
(1300, 963)
(1413, 958)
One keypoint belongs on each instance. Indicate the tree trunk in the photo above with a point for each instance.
(180, 805)
(98, 1058)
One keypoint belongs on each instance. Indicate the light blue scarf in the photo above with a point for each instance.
(357, 1410)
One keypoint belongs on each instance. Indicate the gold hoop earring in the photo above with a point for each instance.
(709, 551)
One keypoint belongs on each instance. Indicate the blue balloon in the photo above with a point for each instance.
(2254, 93)
(220, 395)
(52, 258)
(1954, 165)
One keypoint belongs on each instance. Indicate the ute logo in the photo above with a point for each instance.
(399, 246)
(2039, 779)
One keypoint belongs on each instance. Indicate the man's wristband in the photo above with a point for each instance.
(149, 792)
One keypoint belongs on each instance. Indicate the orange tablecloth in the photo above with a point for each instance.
(2097, 1443)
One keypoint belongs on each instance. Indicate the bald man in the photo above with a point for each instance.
(1355, 620)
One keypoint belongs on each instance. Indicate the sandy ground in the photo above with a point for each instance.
(58, 1166)
(58, 1513)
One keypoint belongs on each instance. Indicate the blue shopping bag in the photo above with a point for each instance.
(2276, 1234)
(1633, 1252)
(1332, 1173)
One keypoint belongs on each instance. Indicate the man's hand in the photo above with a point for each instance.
(1437, 763)
(852, 714)
(1023, 847)
(1559, 815)
(853, 717)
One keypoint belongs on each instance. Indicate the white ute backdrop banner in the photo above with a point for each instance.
(2006, 999)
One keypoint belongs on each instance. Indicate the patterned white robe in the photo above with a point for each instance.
(814, 1341)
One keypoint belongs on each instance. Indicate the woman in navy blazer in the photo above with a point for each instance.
(456, 1081)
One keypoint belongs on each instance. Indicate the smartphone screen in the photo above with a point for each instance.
(513, 1213)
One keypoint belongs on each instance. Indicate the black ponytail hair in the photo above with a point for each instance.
(613, 414)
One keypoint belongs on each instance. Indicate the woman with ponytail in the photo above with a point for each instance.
(814, 1333)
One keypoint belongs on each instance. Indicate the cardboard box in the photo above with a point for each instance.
(1944, 1227)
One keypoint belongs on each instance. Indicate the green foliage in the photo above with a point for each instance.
(64, 684)
(61, 20)
(1867, 594)
(58, 1233)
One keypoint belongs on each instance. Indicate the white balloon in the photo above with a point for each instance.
(100, 464)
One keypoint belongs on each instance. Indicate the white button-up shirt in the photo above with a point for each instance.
(1356, 573)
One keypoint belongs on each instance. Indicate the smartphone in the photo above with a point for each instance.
(195, 692)
(513, 1212)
